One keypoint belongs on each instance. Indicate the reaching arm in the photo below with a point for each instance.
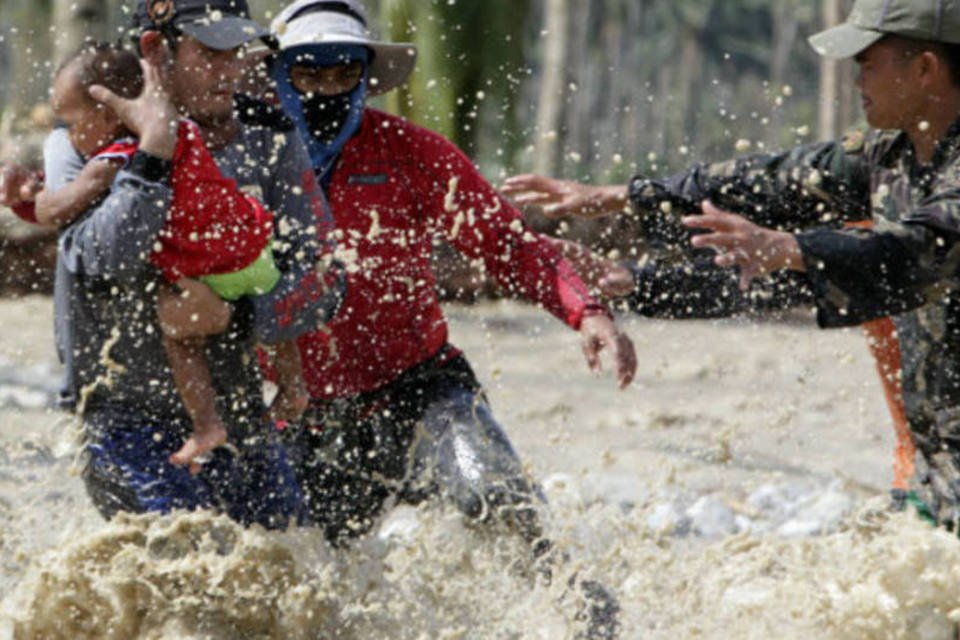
(60, 207)
(480, 223)
(559, 198)
(855, 274)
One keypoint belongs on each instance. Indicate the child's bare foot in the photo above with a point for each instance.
(290, 403)
(203, 440)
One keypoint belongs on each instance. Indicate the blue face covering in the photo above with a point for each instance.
(345, 111)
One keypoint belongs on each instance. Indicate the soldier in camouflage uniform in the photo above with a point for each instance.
(903, 175)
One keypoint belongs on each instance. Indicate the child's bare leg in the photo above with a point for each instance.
(190, 309)
(292, 397)
(187, 316)
(192, 376)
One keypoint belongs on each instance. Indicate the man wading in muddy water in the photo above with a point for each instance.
(108, 332)
(904, 176)
(396, 411)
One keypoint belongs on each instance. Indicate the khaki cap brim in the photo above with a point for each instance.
(843, 41)
(228, 32)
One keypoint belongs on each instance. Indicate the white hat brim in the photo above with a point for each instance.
(392, 64)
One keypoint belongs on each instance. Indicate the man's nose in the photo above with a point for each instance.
(229, 64)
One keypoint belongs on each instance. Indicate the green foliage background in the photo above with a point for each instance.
(649, 84)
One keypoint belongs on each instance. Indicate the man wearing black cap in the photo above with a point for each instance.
(903, 176)
(117, 377)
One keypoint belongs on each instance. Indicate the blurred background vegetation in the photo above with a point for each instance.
(597, 91)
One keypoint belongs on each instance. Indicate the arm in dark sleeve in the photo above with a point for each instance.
(115, 238)
(312, 284)
(810, 185)
(858, 275)
(700, 289)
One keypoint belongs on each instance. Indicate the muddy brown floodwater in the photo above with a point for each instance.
(736, 490)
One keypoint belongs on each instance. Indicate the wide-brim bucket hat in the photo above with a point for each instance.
(316, 22)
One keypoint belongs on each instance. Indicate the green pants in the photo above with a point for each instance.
(258, 277)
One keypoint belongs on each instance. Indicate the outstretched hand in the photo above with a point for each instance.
(599, 332)
(612, 279)
(755, 249)
(18, 184)
(559, 198)
(151, 115)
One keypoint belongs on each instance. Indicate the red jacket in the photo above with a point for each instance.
(212, 227)
(396, 188)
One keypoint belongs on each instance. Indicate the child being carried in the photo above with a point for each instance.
(215, 246)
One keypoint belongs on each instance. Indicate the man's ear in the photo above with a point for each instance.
(154, 48)
(932, 67)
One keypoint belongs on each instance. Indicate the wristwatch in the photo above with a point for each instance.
(150, 167)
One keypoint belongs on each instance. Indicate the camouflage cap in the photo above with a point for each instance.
(870, 20)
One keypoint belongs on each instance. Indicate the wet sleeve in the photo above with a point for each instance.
(700, 289)
(811, 185)
(115, 238)
(312, 284)
(26, 211)
(858, 274)
(469, 214)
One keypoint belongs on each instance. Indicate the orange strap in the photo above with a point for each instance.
(885, 347)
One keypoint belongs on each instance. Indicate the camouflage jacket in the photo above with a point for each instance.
(905, 266)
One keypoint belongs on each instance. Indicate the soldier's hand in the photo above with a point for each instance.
(612, 279)
(558, 198)
(598, 333)
(151, 115)
(738, 242)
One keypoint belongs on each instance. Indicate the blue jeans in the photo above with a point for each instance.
(127, 469)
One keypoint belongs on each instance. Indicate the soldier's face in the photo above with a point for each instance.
(888, 86)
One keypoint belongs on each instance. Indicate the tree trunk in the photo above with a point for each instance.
(75, 21)
(786, 26)
(23, 27)
(827, 123)
(550, 103)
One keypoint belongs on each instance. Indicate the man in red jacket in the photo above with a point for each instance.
(396, 410)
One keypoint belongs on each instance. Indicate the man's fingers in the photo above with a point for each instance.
(591, 351)
(747, 274)
(105, 96)
(526, 182)
(722, 241)
(728, 259)
(626, 358)
(711, 209)
(555, 210)
(712, 218)
(711, 221)
(614, 284)
(532, 198)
